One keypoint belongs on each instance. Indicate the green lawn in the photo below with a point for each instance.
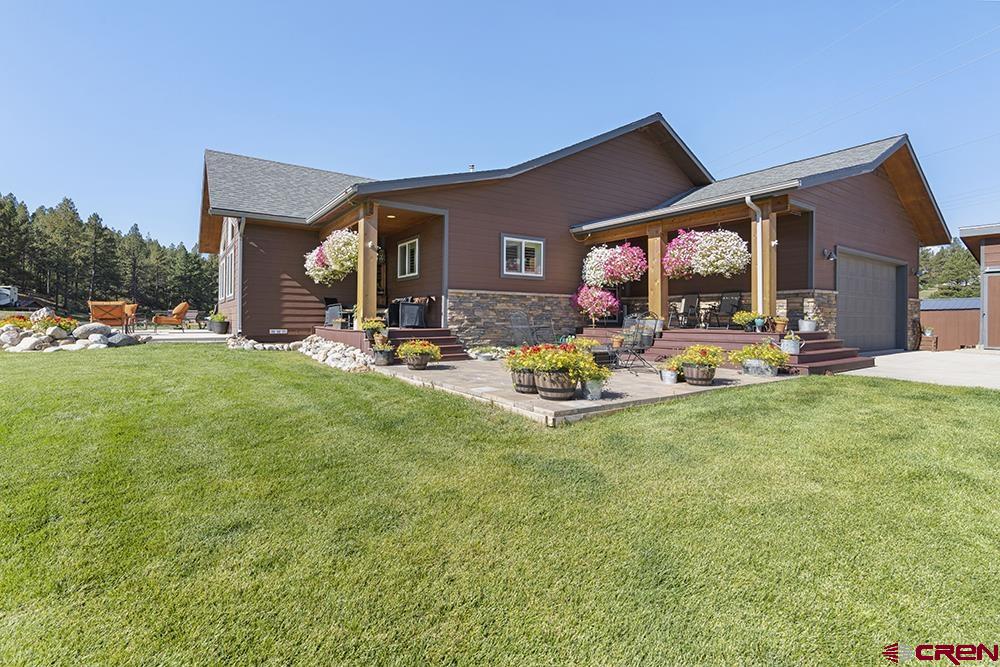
(187, 505)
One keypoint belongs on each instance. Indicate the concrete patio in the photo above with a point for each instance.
(489, 381)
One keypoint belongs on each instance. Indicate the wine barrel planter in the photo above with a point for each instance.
(417, 362)
(524, 382)
(699, 376)
(555, 385)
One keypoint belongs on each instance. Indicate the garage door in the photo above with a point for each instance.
(866, 302)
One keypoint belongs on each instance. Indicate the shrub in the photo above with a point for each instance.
(19, 321)
(417, 347)
(65, 323)
(218, 317)
(765, 351)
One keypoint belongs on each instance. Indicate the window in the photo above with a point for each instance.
(408, 259)
(229, 275)
(522, 256)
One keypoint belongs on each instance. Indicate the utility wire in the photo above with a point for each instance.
(861, 92)
(961, 145)
(867, 108)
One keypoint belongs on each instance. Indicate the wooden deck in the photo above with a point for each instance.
(820, 353)
(451, 347)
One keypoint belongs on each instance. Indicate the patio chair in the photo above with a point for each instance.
(728, 304)
(194, 317)
(412, 315)
(687, 316)
(334, 316)
(129, 323)
(521, 330)
(638, 337)
(111, 313)
(175, 318)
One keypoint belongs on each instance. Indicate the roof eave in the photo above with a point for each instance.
(256, 215)
(674, 211)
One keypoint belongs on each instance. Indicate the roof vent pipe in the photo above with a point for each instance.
(759, 250)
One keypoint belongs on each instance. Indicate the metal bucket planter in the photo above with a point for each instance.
(791, 346)
(524, 382)
(807, 326)
(699, 376)
(593, 389)
(218, 327)
(555, 385)
(759, 368)
(417, 362)
(384, 357)
(759, 323)
(668, 377)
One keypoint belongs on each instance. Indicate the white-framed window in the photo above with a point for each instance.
(408, 258)
(522, 256)
(229, 275)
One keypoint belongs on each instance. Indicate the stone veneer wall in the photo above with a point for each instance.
(913, 330)
(482, 317)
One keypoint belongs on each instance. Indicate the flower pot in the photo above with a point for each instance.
(807, 326)
(592, 389)
(218, 327)
(524, 382)
(749, 326)
(384, 357)
(617, 342)
(417, 362)
(380, 338)
(668, 377)
(555, 385)
(790, 346)
(759, 367)
(699, 376)
(780, 326)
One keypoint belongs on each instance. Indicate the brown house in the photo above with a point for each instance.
(838, 232)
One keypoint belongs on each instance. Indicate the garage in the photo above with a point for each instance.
(868, 302)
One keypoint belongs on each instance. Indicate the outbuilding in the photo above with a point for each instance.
(983, 242)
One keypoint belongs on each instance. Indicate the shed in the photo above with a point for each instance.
(955, 322)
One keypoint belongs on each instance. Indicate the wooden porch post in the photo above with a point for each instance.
(767, 260)
(659, 292)
(367, 264)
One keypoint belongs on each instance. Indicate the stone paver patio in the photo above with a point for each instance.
(489, 381)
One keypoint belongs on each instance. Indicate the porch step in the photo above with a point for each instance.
(834, 365)
(451, 348)
(806, 356)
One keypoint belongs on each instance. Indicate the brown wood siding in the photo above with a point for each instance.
(430, 265)
(277, 294)
(621, 176)
(862, 213)
(991, 252)
(954, 328)
(993, 310)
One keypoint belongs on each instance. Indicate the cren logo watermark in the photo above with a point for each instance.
(956, 654)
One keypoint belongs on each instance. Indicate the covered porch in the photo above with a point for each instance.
(401, 256)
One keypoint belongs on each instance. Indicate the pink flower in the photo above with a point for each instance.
(595, 302)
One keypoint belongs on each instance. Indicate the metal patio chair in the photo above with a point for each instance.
(728, 304)
(687, 316)
(638, 337)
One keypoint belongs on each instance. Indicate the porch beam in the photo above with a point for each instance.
(765, 260)
(365, 305)
(659, 293)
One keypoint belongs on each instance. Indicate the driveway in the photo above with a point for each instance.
(963, 368)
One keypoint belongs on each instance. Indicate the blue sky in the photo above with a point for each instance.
(113, 104)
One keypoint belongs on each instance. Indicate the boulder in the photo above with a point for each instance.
(145, 339)
(67, 341)
(83, 344)
(98, 338)
(28, 344)
(122, 340)
(85, 330)
(97, 346)
(54, 348)
(73, 347)
(41, 314)
(295, 345)
(10, 337)
(7, 328)
(56, 333)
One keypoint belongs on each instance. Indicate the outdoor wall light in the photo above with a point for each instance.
(830, 254)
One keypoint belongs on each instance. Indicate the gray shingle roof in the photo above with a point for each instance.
(241, 184)
(799, 174)
(968, 303)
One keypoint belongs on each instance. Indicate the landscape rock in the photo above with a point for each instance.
(41, 314)
(85, 330)
(122, 340)
(67, 341)
(73, 347)
(28, 344)
(8, 328)
(54, 348)
(97, 346)
(10, 337)
(98, 338)
(56, 333)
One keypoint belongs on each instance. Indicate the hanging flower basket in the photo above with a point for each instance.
(334, 259)
(721, 252)
(595, 303)
(609, 267)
